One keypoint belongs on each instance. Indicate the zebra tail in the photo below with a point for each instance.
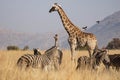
(19, 62)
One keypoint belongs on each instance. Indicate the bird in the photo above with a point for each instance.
(84, 27)
(97, 22)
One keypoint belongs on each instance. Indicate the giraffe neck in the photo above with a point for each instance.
(56, 43)
(68, 25)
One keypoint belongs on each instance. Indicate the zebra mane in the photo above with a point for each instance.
(50, 49)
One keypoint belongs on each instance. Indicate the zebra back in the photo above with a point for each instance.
(50, 58)
(24, 61)
(115, 61)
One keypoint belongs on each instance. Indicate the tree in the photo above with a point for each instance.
(12, 47)
(114, 44)
(26, 48)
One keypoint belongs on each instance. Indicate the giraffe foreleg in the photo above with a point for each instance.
(72, 52)
(72, 43)
(90, 52)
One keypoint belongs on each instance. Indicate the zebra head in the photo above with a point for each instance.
(102, 56)
(36, 51)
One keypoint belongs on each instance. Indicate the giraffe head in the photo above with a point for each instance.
(55, 7)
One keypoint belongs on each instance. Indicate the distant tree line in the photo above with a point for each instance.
(81, 48)
(13, 47)
(114, 44)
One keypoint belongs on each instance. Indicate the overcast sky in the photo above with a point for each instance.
(33, 15)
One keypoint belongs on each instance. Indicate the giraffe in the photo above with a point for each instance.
(77, 38)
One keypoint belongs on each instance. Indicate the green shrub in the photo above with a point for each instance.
(12, 47)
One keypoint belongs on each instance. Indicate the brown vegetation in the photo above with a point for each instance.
(9, 70)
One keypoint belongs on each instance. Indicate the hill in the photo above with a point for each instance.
(42, 41)
(107, 29)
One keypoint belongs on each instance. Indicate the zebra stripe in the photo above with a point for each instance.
(82, 62)
(115, 61)
(94, 61)
(48, 59)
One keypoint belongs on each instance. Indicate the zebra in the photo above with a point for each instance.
(47, 61)
(115, 61)
(83, 62)
(56, 47)
(50, 60)
(36, 51)
(94, 61)
(102, 56)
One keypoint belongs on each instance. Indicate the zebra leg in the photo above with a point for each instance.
(78, 66)
(78, 63)
(56, 66)
(21, 64)
(117, 68)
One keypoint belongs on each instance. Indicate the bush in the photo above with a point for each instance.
(114, 44)
(12, 48)
(26, 48)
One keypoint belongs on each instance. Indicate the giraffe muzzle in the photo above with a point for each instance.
(52, 9)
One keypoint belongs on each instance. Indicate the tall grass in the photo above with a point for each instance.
(9, 70)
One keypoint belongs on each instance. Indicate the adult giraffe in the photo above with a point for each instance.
(77, 37)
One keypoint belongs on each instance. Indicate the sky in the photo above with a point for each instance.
(32, 16)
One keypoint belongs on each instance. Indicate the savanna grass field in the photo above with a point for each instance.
(10, 71)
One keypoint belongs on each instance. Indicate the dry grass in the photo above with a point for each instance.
(9, 70)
